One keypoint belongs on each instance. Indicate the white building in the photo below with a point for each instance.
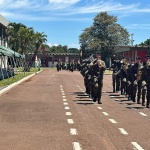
(3, 26)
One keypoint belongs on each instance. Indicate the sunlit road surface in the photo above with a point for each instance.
(51, 111)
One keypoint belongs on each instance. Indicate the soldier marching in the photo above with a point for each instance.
(92, 69)
(134, 79)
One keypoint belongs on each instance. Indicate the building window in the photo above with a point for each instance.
(55, 58)
(61, 59)
(50, 58)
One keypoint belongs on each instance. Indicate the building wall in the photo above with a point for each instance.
(52, 60)
(134, 54)
(3, 25)
(142, 55)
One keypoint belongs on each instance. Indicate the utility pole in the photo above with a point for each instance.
(132, 39)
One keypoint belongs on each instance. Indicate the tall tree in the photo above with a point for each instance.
(25, 39)
(145, 43)
(104, 35)
(39, 38)
(13, 35)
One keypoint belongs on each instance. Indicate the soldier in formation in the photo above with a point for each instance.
(92, 69)
(134, 79)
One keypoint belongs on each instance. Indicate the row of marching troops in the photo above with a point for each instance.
(70, 66)
(92, 69)
(132, 78)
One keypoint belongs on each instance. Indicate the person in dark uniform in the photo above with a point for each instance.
(129, 79)
(114, 69)
(136, 79)
(98, 72)
(143, 79)
(124, 68)
(58, 66)
(148, 82)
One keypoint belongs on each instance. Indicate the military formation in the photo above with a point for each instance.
(132, 79)
(92, 69)
(70, 66)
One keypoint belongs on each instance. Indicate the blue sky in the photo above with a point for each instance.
(63, 20)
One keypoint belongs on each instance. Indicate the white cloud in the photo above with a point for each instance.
(50, 44)
(54, 9)
(64, 1)
(72, 45)
(138, 26)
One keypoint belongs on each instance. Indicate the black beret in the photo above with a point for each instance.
(89, 54)
(138, 57)
(147, 56)
(98, 53)
(131, 59)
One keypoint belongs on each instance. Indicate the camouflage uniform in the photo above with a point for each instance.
(129, 80)
(114, 68)
(135, 81)
(98, 72)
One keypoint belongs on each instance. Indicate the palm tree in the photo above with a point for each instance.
(13, 36)
(25, 39)
(39, 38)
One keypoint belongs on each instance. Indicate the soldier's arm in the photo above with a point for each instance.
(103, 67)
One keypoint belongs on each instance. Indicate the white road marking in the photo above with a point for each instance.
(64, 96)
(99, 107)
(68, 114)
(67, 108)
(105, 113)
(85, 95)
(70, 121)
(62, 93)
(60, 85)
(142, 114)
(76, 146)
(117, 99)
(112, 96)
(123, 131)
(73, 131)
(112, 120)
(65, 103)
(137, 146)
(77, 85)
(64, 100)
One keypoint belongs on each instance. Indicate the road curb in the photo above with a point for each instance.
(3, 91)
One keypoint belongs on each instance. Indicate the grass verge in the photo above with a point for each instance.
(18, 76)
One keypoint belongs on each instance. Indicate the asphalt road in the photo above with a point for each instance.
(51, 112)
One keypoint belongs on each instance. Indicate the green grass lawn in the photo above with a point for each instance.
(18, 76)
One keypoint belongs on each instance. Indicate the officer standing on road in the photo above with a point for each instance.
(114, 69)
(148, 82)
(129, 79)
(135, 78)
(99, 72)
(124, 68)
(58, 66)
(143, 79)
